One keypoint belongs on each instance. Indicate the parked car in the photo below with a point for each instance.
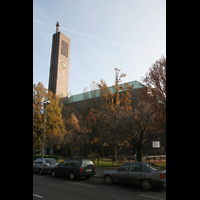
(146, 174)
(44, 165)
(75, 167)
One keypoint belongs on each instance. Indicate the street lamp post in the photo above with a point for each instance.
(45, 110)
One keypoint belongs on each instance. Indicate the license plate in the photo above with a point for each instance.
(88, 170)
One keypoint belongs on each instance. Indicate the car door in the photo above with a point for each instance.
(122, 174)
(136, 173)
(70, 166)
(40, 163)
(35, 166)
(58, 169)
(62, 169)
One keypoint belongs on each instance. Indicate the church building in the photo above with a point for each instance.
(59, 81)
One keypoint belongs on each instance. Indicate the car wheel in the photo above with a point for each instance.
(71, 176)
(146, 185)
(53, 174)
(108, 180)
(40, 171)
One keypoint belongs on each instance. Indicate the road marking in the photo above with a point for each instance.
(35, 195)
(150, 197)
(81, 184)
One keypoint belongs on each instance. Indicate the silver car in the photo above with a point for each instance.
(44, 165)
(145, 174)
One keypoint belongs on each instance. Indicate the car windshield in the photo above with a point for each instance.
(51, 161)
(153, 166)
(87, 162)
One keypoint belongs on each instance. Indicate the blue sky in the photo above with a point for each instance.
(104, 34)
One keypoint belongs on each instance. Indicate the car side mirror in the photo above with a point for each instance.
(118, 169)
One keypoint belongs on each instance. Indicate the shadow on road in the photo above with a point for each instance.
(100, 182)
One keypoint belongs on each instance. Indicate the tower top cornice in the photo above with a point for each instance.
(57, 27)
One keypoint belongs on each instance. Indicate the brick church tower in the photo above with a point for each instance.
(59, 67)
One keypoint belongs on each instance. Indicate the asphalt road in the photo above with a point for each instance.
(46, 187)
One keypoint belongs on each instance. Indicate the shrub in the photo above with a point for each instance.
(93, 155)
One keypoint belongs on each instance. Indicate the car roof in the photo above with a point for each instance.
(138, 162)
(134, 162)
(46, 158)
(77, 159)
(80, 157)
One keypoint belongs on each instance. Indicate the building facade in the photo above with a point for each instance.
(86, 100)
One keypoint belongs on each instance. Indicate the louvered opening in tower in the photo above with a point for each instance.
(64, 49)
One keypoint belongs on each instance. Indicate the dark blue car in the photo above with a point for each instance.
(76, 167)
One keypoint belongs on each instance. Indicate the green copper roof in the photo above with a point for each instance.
(96, 93)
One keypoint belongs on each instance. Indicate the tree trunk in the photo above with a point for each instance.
(71, 151)
(139, 154)
(114, 152)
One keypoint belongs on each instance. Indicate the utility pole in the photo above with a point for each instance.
(45, 111)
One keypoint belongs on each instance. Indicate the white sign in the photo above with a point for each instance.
(156, 144)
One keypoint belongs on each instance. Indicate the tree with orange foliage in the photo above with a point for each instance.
(91, 120)
(75, 136)
(91, 128)
(55, 129)
(116, 106)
